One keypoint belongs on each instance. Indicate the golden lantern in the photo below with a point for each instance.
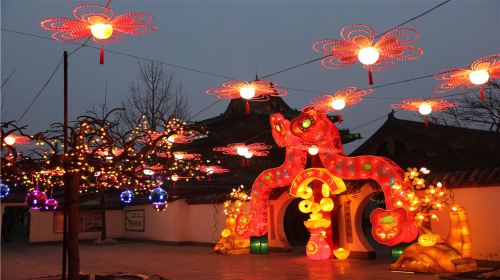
(341, 253)
(427, 239)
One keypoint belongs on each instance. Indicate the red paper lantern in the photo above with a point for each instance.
(376, 54)
(425, 107)
(478, 74)
(98, 22)
(339, 100)
(253, 91)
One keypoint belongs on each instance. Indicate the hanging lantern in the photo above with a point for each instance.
(313, 150)
(51, 204)
(249, 91)
(478, 74)
(158, 195)
(13, 139)
(4, 190)
(99, 23)
(36, 199)
(126, 196)
(186, 156)
(359, 43)
(246, 151)
(337, 101)
(425, 107)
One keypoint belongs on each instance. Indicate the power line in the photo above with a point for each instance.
(125, 54)
(399, 25)
(41, 89)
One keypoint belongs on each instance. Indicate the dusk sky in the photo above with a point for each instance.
(236, 38)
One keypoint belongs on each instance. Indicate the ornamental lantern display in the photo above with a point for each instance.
(377, 53)
(99, 23)
(245, 151)
(4, 190)
(126, 196)
(51, 204)
(425, 107)
(250, 91)
(36, 199)
(475, 76)
(337, 101)
(158, 196)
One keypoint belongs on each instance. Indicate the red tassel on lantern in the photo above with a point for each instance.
(243, 162)
(247, 108)
(340, 117)
(248, 162)
(370, 77)
(426, 121)
(481, 92)
(101, 56)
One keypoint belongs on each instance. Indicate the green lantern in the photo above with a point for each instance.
(259, 245)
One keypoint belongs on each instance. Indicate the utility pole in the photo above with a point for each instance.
(66, 174)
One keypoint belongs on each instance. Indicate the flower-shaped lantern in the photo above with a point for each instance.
(246, 151)
(13, 139)
(186, 156)
(254, 91)
(425, 107)
(100, 23)
(478, 74)
(339, 100)
(212, 169)
(376, 53)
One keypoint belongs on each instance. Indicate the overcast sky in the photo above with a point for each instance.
(236, 38)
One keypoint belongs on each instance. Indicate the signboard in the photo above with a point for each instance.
(90, 221)
(134, 220)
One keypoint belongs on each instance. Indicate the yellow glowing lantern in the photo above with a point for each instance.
(341, 253)
(305, 206)
(479, 77)
(9, 140)
(316, 216)
(313, 150)
(315, 208)
(368, 56)
(101, 31)
(325, 190)
(338, 104)
(425, 109)
(326, 204)
(242, 151)
(304, 192)
(247, 92)
(427, 240)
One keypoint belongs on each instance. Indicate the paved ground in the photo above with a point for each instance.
(189, 262)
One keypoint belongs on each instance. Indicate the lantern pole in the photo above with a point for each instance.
(66, 174)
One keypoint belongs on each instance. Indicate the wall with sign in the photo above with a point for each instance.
(46, 226)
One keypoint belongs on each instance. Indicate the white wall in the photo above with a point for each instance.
(41, 227)
(181, 222)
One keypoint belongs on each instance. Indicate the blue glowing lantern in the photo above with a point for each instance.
(127, 196)
(4, 190)
(36, 199)
(158, 196)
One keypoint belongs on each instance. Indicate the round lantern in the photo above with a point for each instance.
(4, 190)
(126, 196)
(51, 204)
(36, 199)
(160, 207)
(158, 196)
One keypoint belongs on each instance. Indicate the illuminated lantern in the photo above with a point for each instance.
(254, 91)
(51, 204)
(36, 199)
(317, 247)
(326, 204)
(246, 151)
(98, 22)
(313, 150)
(425, 107)
(4, 190)
(304, 192)
(186, 156)
(158, 195)
(225, 232)
(341, 253)
(212, 169)
(428, 239)
(305, 206)
(248, 155)
(12, 139)
(126, 196)
(160, 207)
(337, 101)
(359, 43)
(478, 74)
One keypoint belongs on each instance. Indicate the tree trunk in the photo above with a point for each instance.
(103, 208)
(73, 228)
